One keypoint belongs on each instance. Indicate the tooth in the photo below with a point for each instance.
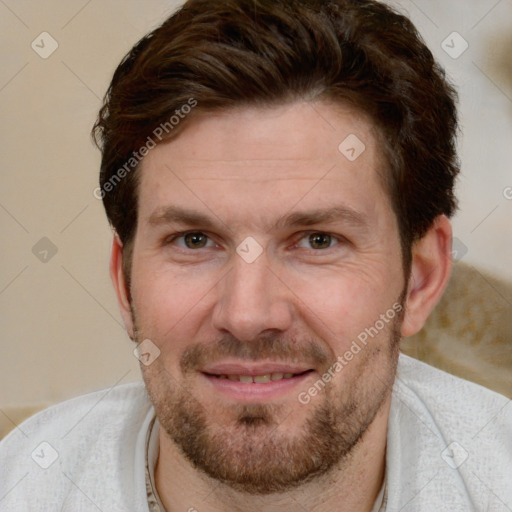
(233, 377)
(223, 376)
(276, 376)
(246, 378)
(262, 378)
(288, 375)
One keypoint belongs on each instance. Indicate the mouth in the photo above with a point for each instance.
(256, 384)
(259, 379)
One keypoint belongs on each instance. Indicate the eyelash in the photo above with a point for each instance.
(340, 240)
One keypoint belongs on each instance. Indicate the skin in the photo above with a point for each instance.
(298, 303)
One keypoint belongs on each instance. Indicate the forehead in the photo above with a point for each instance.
(297, 131)
(266, 157)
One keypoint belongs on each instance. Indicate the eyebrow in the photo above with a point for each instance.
(194, 218)
(324, 216)
(178, 215)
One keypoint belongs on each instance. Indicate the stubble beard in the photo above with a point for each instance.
(249, 450)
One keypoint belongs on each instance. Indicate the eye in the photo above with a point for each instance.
(318, 241)
(193, 240)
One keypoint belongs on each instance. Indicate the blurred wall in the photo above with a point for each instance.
(61, 333)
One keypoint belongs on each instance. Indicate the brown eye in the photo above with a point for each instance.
(195, 240)
(320, 240)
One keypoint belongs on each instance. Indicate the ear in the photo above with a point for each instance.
(430, 273)
(120, 284)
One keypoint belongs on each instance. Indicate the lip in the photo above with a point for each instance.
(255, 369)
(255, 392)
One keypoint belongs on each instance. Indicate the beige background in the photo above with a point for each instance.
(61, 331)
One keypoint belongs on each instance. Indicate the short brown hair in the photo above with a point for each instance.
(226, 53)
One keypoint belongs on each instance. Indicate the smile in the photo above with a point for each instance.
(256, 385)
(260, 379)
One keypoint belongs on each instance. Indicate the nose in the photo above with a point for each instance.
(252, 301)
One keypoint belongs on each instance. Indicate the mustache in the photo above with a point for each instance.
(271, 346)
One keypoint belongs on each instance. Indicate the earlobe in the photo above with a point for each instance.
(430, 273)
(120, 284)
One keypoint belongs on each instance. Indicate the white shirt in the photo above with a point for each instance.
(449, 449)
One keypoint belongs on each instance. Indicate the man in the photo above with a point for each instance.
(279, 177)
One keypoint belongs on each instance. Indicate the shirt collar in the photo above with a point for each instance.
(152, 445)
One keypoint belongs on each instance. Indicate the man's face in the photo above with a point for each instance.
(263, 251)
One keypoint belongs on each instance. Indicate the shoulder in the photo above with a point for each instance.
(449, 397)
(86, 446)
(447, 437)
(99, 407)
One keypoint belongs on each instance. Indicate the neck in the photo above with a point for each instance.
(353, 487)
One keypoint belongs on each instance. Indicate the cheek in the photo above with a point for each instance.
(339, 307)
(170, 305)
